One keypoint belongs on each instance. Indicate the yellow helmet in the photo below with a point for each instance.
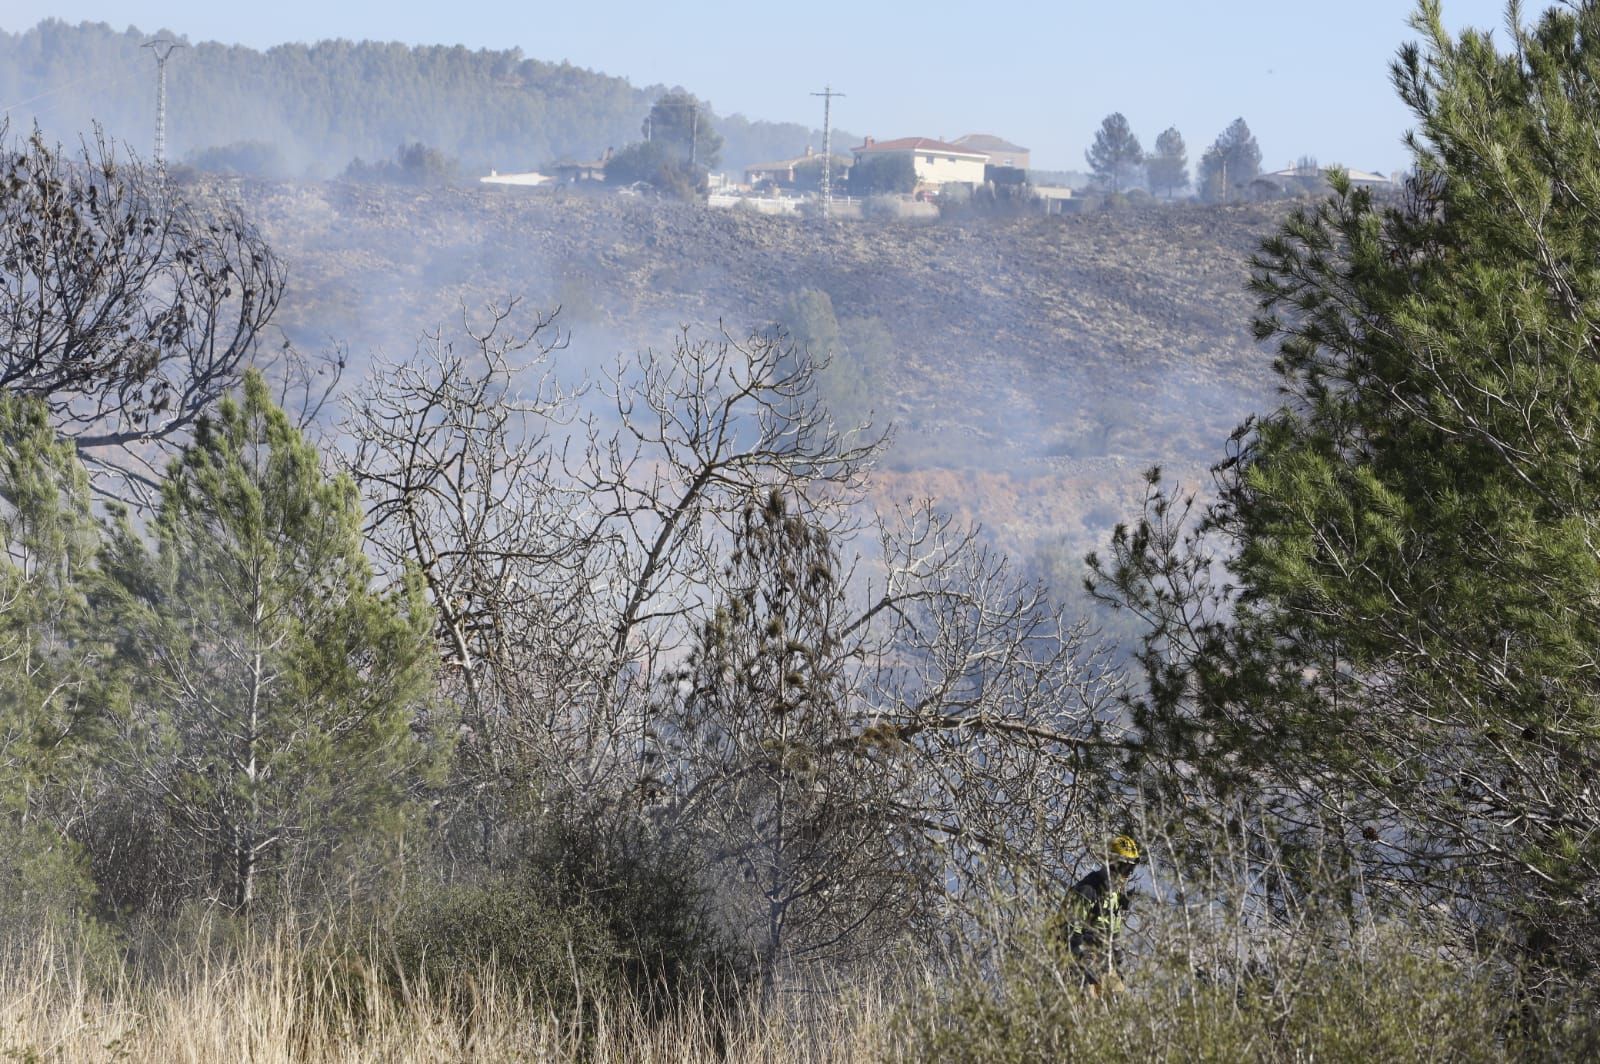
(1123, 848)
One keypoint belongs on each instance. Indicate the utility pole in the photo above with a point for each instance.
(827, 95)
(161, 48)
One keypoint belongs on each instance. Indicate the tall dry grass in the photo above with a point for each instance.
(1199, 987)
(272, 1000)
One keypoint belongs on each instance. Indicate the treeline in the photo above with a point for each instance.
(298, 109)
(1119, 162)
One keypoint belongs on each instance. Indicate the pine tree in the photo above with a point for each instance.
(274, 718)
(1116, 155)
(1232, 162)
(767, 759)
(56, 681)
(681, 126)
(1404, 667)
(1168, 169)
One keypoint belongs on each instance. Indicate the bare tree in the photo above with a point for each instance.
(695, 434)
(454, 452)
(565, 555)
(126, 308)
(647, 609)
(863, 747)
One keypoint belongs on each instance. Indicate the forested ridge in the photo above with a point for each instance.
(298, 109)
(467, 709)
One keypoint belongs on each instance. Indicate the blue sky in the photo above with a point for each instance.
(1309, 78)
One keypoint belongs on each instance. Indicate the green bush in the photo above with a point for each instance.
(564, 901)
(508, 929)
(1394, 997)
(46, 894)
(644, 890)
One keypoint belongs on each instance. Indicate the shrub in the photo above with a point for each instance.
(1391, 993)
(644, 890)
(509, 929)
(46, 893)
(882, 208)
(564, 902)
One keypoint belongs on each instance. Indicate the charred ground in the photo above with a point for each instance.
(1038, 363)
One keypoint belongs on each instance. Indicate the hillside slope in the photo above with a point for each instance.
(1038, 364)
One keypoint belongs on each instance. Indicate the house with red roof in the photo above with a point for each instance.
(1001, 152)
(935, 162)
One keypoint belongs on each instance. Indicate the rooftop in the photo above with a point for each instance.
(986, 142)
(799, 160)
(1358, 176)
(916, 144)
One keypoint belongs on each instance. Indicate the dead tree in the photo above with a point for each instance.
(695, 434)
(646, 610)
(124, 307)
(454, 452)
(864, 750)
(565, 551)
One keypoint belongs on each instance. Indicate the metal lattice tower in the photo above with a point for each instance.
(162, 48)
(827, 95)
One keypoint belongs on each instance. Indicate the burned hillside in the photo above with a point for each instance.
(1029, 367)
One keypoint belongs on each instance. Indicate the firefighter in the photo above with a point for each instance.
(1090, 917)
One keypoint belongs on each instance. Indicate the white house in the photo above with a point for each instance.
(935, 162)
(1001, 152)
(1305, 175)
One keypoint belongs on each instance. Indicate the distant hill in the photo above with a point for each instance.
(308, 110)
(1031, 367)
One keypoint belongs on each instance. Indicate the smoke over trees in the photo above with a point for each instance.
(617, 689)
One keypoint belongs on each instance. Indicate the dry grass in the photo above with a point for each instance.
(266, 1002)
(1389, 993)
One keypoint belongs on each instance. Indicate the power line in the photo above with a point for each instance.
(74, 83)
(100, 83)
(827, 95)
(162, 48)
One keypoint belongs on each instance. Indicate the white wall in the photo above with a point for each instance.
(947, 169)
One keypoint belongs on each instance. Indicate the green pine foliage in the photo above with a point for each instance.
(682, 126)
(1229, 165)
(853, 356)
(1116, 158)
(1167, 169)
(1401, 667)
(55, 679)
(272, 723)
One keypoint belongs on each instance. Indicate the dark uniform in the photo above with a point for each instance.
(1089, 922)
